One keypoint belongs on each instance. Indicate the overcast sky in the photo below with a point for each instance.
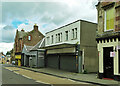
(48, 14)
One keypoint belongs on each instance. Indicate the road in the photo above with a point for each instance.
(14, 75)
(9, 77)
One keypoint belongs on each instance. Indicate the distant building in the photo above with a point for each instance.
(33, 55)
(72, 47)
(2, 58)
(25, 38)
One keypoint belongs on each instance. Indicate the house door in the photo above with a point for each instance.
(108, 62)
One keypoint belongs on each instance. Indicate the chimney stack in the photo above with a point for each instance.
(35, 27)
(22, 30)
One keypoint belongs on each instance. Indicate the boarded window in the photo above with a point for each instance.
(110, 15)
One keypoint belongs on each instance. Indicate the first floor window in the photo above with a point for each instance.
(66, 32)
(52, 39)
(109, 18)
(29, 38)
(75, 32)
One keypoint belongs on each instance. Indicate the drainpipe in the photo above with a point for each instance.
(79, 60)
(37, 58)
(83, 61)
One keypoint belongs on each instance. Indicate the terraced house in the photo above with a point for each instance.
(108, 39)
(25, 38)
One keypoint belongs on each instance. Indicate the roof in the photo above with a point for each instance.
(28, 47)
(40, 44)
(63, 45)
(70, 24)
(21, 34)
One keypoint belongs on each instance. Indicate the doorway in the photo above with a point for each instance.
(108, 62)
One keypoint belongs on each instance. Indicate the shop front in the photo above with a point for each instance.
(109, 58)
(18, 59)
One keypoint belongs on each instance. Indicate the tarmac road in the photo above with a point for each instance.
(11, 78)
(15, 75)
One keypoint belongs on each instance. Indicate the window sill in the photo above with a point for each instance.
(74, 39)
(108, 30)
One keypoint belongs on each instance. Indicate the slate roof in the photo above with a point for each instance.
(21, 34)
(40, 44)
(28, 47)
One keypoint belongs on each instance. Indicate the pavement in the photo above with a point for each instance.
(15, 73)
(87, 78)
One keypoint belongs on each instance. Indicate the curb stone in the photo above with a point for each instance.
(66, 77)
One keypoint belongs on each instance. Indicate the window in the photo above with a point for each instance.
(52, 39)
(109, 19)
(48, 40)
(56, 37)
(66, 32)
(29, 38)
(73, 33)
(59, 37)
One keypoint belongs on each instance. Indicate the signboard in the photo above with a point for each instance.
(112, 54)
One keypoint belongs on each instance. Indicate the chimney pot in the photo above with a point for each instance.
(35, 27)
(22, 30)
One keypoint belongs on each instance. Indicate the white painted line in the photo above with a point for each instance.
(16, 72)
(26, 76)
(42, 82)
(72, 80)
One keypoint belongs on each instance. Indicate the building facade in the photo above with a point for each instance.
(33, 55)
(72, 47)
(108, 39)
(28, 38)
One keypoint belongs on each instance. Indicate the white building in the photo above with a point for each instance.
(72, 47)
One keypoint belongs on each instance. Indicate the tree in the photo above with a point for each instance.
(8, 53)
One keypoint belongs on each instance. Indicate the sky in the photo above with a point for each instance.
(47, 14)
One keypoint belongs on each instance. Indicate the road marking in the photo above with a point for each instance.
(42, 82)
(26, 76)
(16, 72)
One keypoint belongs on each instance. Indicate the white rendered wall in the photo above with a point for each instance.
(62, 30)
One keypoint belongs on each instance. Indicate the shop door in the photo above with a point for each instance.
(108, 62)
